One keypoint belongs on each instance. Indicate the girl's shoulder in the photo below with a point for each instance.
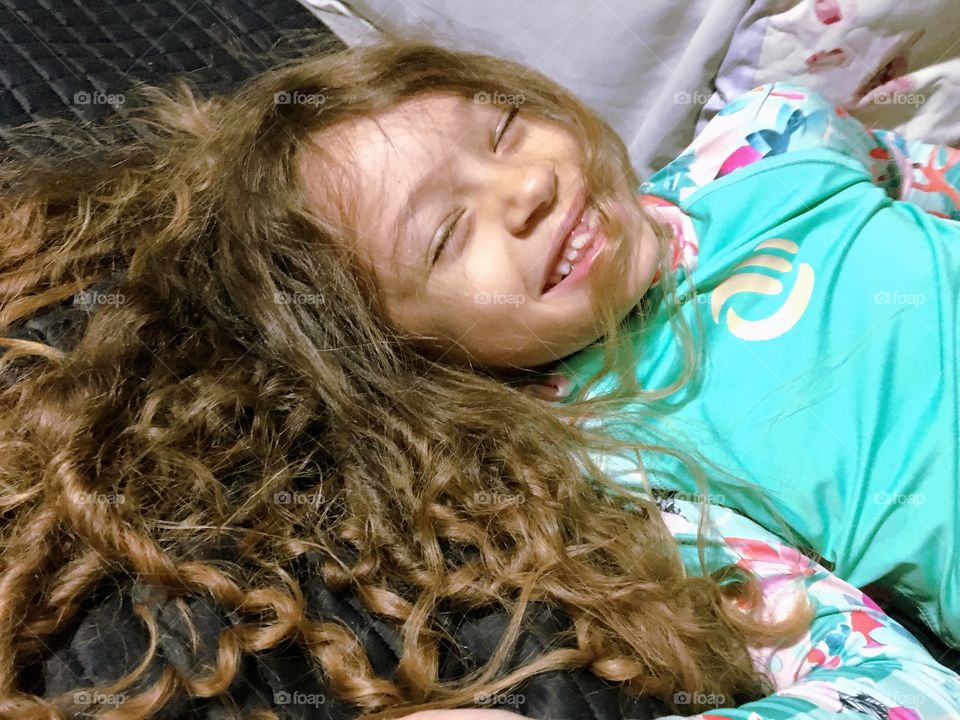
(767, 121)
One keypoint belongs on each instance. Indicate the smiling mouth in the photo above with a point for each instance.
(574, 248)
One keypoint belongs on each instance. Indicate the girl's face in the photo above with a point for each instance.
(461, 208)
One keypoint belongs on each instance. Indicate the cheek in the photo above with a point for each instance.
(448, 313)
(483, 275)
(484, 272)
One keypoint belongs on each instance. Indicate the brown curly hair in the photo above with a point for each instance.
(200, 395)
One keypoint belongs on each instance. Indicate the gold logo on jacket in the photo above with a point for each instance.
(790, 310)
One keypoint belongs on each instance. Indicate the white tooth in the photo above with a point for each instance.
(564, 267)
(572, 255)
(580, 240)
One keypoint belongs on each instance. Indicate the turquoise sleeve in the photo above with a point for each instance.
(784, 117)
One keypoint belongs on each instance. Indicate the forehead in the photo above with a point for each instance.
(378, 163)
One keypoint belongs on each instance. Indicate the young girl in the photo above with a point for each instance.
(262, 400)
(818, 260)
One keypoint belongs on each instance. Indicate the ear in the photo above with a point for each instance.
(551, 387)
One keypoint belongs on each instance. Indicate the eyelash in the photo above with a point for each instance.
(510, 116)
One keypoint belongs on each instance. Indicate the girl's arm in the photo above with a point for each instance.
(854, 659)
(785, 117)
(930, 173)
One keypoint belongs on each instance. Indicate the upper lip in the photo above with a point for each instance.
(570, 221)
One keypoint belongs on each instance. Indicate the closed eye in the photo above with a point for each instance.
(504, 125)
(506, 121)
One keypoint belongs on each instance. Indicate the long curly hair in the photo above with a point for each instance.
(246, 358)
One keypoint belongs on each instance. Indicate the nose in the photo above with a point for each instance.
(528, 193)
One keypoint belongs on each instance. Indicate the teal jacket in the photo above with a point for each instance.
(827, 268)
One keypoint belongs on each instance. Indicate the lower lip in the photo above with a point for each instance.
(582, 267)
